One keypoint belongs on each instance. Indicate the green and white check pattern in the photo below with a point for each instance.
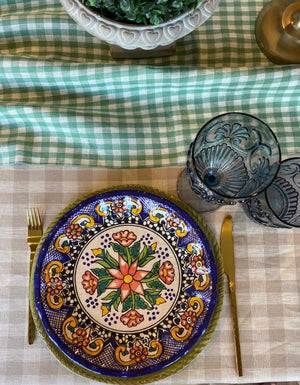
(64, 100)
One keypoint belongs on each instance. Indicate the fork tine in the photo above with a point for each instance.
(38, 218)
(33, 218)
(28, 217)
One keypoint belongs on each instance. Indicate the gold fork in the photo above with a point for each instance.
(35, 231)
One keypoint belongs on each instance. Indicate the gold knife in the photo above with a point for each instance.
(227, 250)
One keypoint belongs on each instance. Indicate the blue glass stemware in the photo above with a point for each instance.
(279, 204)
(234, 156)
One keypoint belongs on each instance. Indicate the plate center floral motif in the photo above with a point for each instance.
(127, 279)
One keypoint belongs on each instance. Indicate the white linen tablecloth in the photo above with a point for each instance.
(267, 273)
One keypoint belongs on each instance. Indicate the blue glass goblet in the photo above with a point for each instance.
(234, 156)
(279, 204)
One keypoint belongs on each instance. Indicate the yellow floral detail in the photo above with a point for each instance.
(67, 333)
(97, 350)
(90, 221)
(104, 310)
(97, 251)
(183, 336)
(54, 264)
(158, 349)
(195, 301)
(153, 214)
(103, 207)
(199, 285)
(159, 301)
(184, 231)
(195, 248)
(54, 305)
(59, 241)
(119, 355)
(153, 246)
(138, 207)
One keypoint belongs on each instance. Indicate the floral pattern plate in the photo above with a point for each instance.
(126, 284)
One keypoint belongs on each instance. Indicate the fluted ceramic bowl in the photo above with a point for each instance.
(131, 36)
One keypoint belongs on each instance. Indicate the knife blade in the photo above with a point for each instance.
(227, 250)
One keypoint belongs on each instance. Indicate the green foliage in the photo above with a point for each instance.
(104, 278)
(141, 11)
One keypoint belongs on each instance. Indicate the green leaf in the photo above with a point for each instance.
(143, 253)
(154, 271)
(111, 260)
(100, 273)
(156, 285)
(125, 5)
(156, 19)
(104, 278)
(141, 304)
(102, 285)
(152, 292)
(145, 261)
(135, 250)
(120, 250)
(127, 304)
(150, 299)
(65, 243)
(56, 299)
(151, 295)
(103, 263)
(110, 296)
(117, 302)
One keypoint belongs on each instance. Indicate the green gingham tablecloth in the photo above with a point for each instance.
(64, 100)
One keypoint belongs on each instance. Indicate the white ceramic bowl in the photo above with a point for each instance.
(130, 36)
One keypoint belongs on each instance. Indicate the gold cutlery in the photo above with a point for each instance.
(227, 250)
(35, 232)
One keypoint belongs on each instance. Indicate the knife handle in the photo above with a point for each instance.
(236, 333)
(31, 326)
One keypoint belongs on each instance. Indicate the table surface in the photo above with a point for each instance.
(65, 102)
(267, 280)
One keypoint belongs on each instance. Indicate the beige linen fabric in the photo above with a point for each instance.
(267, 273)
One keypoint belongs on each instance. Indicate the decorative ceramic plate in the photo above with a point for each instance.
(126, 285)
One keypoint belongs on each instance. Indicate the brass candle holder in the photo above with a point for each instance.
(278, 31)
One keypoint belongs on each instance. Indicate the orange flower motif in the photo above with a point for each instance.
(118, 206)
(138, 353)
(188, 319)
(74, 231)
(127, 278)
(124, 238)
(166, 272)
(80, 338)
(173, 220)
(198, 264)
(54, 286)
(132, 318)
(89, 282)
